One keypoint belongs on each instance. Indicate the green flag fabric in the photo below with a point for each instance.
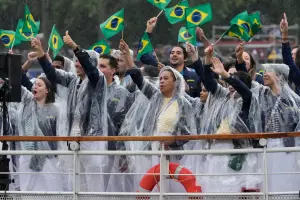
(198, 15)
(161, 4)
(251, 23)
(187, 35)
(177, 13)
(24, 36)
(29, 23)
(237, 32)
(55, 41)
(101, 47)
(145, 46)
(113, 25)
(8, 38)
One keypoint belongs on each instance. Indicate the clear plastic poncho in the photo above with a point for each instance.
(32, 119)
(181, 120)
(87, 116)
(221, 115)
(279, 112)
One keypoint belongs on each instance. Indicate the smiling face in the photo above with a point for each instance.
(177, 56)
(58, 64)
(247, 60)
(40, 91)
(270, 78)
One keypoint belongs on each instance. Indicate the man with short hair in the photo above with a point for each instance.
(178, 57)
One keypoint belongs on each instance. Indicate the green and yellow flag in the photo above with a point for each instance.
(29, 23)
(255, 22)
(187, 35)
(20, 35)
(237, 32)
(101, 47)
(113, 25)
(161, 4)
(8, 38)
(251, 23)
(198, 15)
(145, 46)
(55, 41)
(177, 13)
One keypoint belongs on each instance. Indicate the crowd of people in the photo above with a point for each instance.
(108, 95)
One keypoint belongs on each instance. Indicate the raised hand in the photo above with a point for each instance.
(37, 46)
(239, 52)
(124, 48)
(200, 33)
(208, 54)
(151, 23)
(284, 26)
(218, 67)
(32, 56)
(191, 50)
(68, 41)
(160, 66)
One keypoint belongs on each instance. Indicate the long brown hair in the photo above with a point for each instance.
(51, 94)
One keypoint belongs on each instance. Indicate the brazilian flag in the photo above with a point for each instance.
(145, 46)
(113, 25)
(30, 25)
(55, 41)
(255, 22)
(177, 13)
(8, 38)
(187, 35)
(161, 4)
(198, 15)
(24, 36)
(251, 23)
(101, 47)
(237, 32)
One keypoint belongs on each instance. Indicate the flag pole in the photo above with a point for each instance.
(159, 13)
(122, 34)
(48, 49)
(13, 43)
(156, 57)
(217, 41)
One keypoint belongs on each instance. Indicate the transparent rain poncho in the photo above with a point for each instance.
(279, 112)
(181, 122)
(222, 115)
(86, 116)
(32, 119)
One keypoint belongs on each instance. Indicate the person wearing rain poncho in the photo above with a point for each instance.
(169, 114)
(225, 113)
(86, 110)
(279, 112)
(37, 115)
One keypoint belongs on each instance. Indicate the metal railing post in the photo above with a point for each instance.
(164, 168)
(265, 168)
(76, 175)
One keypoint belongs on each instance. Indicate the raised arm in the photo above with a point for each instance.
(53, 75)
(294, 74)
(136, 75)
(88, 64)
(240, 63)
(209, 82)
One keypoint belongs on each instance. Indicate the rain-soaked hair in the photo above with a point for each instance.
(244, 77)
(169, 70)
(51, 92)
(113, 62)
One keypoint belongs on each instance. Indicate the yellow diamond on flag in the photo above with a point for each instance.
(143, 44)
(114, 23)
(186, 35)
(55, 41)
(178, 11)
(246, 26)
(196, 17)
(160, 1)
(99, 48)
